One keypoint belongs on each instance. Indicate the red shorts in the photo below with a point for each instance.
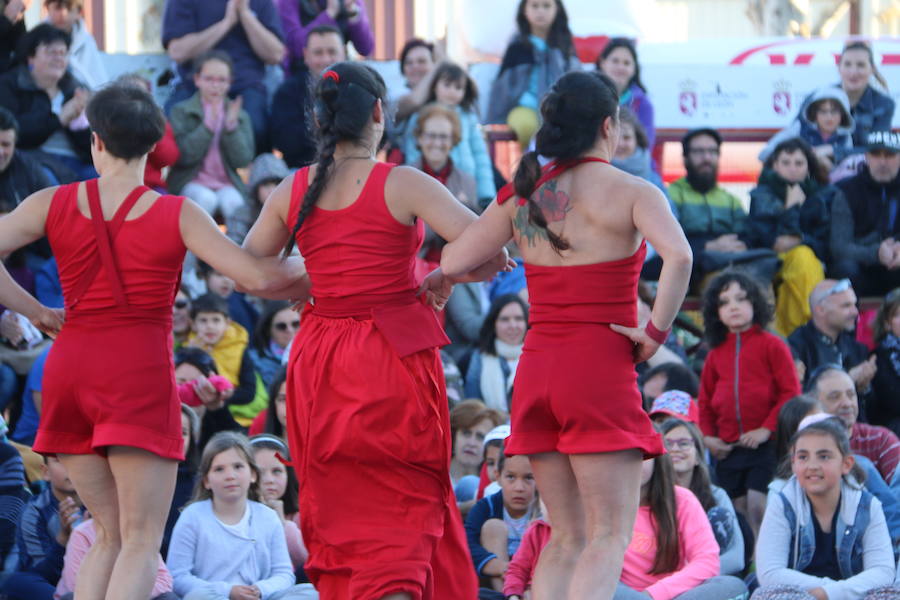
(110, 384)
(576, 392)
(369, 434)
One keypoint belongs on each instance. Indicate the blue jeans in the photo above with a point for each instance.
(27, 586)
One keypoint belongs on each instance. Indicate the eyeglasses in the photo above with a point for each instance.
(437, 137)
(181, 304)
(841, 286)
(682, 444)
(284, 326)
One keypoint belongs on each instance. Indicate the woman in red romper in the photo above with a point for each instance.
(367, 410)
(576, 409)
(110, 410)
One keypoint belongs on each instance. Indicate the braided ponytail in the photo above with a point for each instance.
(572, 113)
(344, 101)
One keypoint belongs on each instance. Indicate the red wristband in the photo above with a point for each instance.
(655, 334)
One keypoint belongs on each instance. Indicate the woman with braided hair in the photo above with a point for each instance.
(367, 410)
(580, 225)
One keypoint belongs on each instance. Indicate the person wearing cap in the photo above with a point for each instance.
(713, 219)
(865, 220)
(674, 404)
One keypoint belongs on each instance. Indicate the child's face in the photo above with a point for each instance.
(219, 284)
(229, 476)
(682, 450)
(828, 117)
(210, 327)
(540, 14)
(449, 92)
(791, 166)
(213, 80)
(818, 464)
(281, 405)
(491, 456)
(627, 141)
(272, 474)
(469, 444)
(517, 483)
(185, 432)
(57, 476)
(264, 190)
(735, 308)
(186, 372)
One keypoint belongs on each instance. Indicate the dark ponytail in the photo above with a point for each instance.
(572, 113)
(344, 99)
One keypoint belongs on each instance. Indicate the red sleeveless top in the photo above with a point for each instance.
(132, 265)
(359, 250)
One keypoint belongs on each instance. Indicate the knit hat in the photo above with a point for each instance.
(676, 403)
(266, 167)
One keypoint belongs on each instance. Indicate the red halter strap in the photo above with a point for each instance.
(105, 233)
(550, 171)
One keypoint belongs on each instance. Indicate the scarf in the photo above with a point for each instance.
(443, 175)
(496, 381)
(779, 185)
(892, 342)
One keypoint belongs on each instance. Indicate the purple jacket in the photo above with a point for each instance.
(359, 33)
(640, 105)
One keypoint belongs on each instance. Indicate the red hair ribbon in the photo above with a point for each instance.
(329, 74)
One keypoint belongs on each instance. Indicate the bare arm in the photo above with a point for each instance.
(412, 101)
(192, 45)
(265, 44)
(259, 276)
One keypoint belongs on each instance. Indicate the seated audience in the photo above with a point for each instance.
(463, 316)
(20, 174)
(292, 128)
(452, 87)
(619, 62)
(828, 337)
(240, 310)
(470, 422)
(836, 393)
(496, 524)
(299, 19)
(520, 572)
(274, 418)
(865, 225)
(186, 478)
(824, 123)
(48, 102)
(215, 139)
(417, 63)
(249, 32)
(633, 152)
(673, 554)
(669, 376)
(492, 367)
(713, 219)
(29, 418)
(885, 408)
(13, 495)
(821, 509)
(789, 213)
(684, 444)
(274, 332)
(266, 172)
(181, 318)
(674, 404)
(85, 59)
(12, 28)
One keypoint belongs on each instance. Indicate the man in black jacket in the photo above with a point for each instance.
(865, 220)
(20, 175)
(291, 124)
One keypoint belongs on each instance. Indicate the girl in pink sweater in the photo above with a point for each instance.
(517, 579)
(673, 553)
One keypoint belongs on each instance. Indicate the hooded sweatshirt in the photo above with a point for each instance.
(805, 128)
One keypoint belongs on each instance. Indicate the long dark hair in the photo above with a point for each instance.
(262, 335)
(663, 512)
(273, 425)
(559, 36)
(572, 113)
(817, 171)
(488, 334)
(271, 442)
(792, 412)
(622, 42)
(715, 330)
(452, 72)
(343, 106)
(700, 482)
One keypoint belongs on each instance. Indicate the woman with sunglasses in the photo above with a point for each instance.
(181, 317)
(110, 408)
(273, 335)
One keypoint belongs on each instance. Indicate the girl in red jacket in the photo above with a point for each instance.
(747, 376)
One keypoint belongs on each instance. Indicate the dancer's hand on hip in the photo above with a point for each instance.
(644, 346)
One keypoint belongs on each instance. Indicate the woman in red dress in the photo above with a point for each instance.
(576, 409)
(110, 408)
(367, 410)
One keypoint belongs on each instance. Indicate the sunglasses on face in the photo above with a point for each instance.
(181, 304)
(284, 326)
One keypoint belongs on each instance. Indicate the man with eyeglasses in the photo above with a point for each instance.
(828, 337)
(865, 220)
(713, 219)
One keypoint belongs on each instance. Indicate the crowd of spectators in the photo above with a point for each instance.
(780, 286)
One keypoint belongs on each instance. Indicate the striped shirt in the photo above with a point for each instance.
(878, 444)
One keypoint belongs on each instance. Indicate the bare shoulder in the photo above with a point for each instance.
(402, 176)
(40, 200)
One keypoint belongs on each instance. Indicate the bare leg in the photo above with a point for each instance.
(96, 487)
(610, 490)
(559, 490)
(740, 505)
(495, 539)
(145, 484)
(756, 509)
(400, 596)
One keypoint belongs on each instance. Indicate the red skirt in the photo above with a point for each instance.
(111, 382)
(576, 392)
(369, 434)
